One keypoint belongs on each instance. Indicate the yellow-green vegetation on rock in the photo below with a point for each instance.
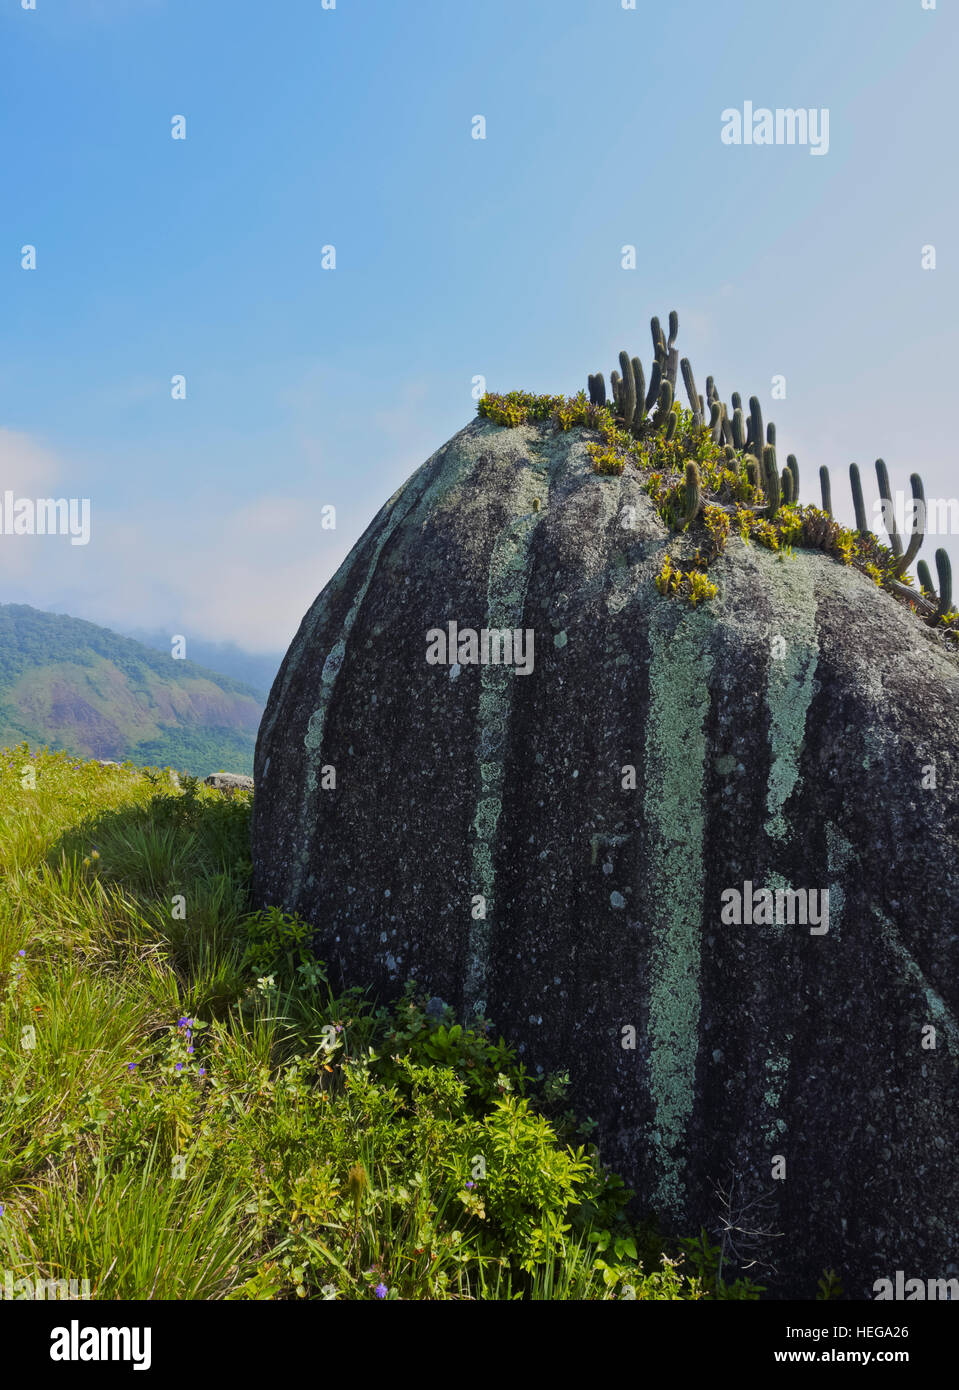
(188, 1111)
(691, 584)
(696, 472)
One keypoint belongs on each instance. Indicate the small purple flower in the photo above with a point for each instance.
(190, 1050)
(132, 1066)
(202, 1071)
(381, 1291)
(21, 953)
(470, 1185)
(179, 1066)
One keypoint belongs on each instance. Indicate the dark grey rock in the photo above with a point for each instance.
(391, 793)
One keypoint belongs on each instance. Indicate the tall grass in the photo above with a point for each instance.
(187, 1111)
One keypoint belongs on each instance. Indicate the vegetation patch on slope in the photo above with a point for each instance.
(85, 690)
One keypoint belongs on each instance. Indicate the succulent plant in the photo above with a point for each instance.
(756, 437)
(655, 381)
(855, 482)
(716, 421)
(693, 494)
(944, 571)
(771, 479)
(793, 467)
(694, 398)
(918, 533)
(925, 579)
(639, 414)
(826, 490)
(888, 517)
(659, 342)
(628, 390)
(786, 487)
(672, 367)
(664, 406)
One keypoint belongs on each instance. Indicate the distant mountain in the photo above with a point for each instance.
(82, 688)
(254, 670)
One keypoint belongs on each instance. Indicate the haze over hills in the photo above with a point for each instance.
(75, 686)
(252, 668)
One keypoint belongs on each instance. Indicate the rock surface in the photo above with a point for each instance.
(229, 782)
(394, 797)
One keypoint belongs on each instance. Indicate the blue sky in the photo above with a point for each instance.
(455, 257)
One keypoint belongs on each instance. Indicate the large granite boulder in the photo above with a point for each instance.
(623, 802)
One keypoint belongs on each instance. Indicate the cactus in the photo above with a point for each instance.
(716, 422)
(639, 415)
(673, 329)
(793, 467)
(925, 579)
(672, 367)
(889, 520)
(826, 490)
(756, 436)
(918, 534)
(737, 401)
(628, 389)
(693, 494)
(690, 384)
(739, 428)
(597, 389)
(655, 380)
(752, 470)
(862, 524)
(710, 389)
(771, 473)
(615, 387)
(786, 487)
(731, 460)
(659, 342)
(771, 434)
(727, 427)
(664, 406)
(671, 426)
(944, 571)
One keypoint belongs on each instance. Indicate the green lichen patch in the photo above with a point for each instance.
(676, 752)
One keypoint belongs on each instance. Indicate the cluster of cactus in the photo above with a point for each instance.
(752, 450)
(642, 408)
(932, 604)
